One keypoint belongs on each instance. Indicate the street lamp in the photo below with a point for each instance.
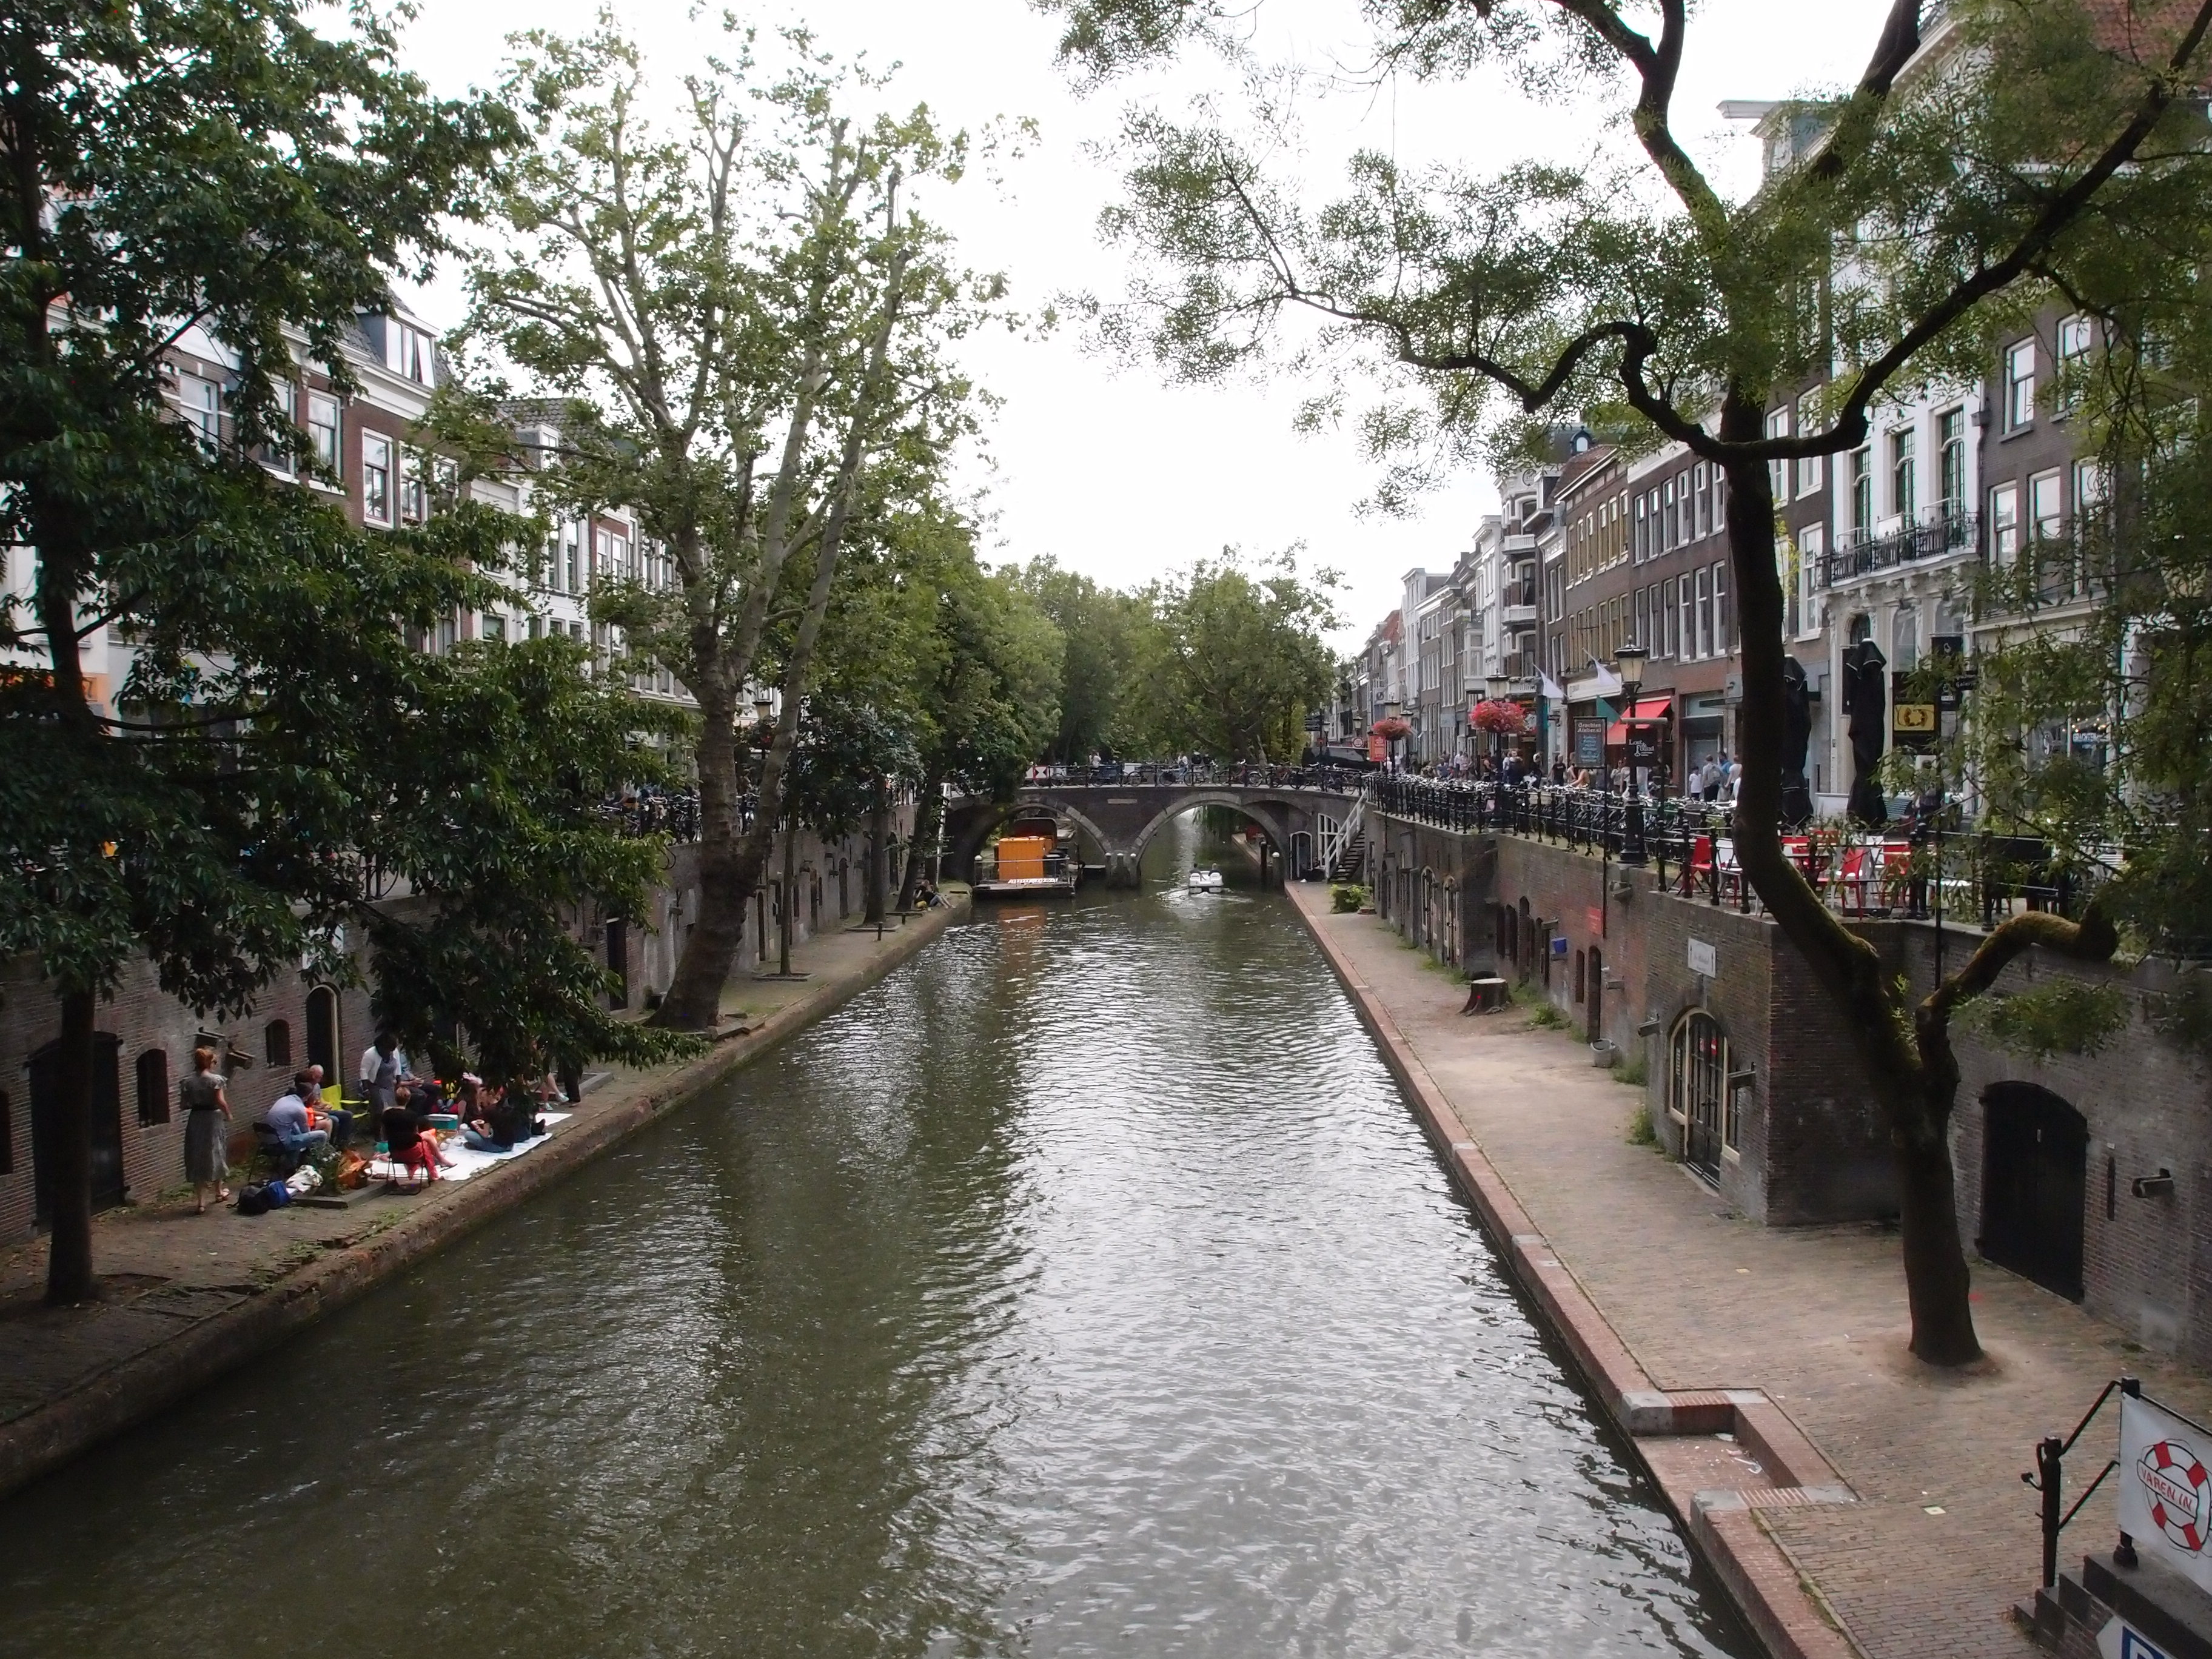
(1390, 707)
(1498, 684)
(1628, 663)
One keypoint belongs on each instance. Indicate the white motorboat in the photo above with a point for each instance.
(1205, 881)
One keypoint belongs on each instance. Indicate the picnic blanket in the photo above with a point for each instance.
(466, 1161)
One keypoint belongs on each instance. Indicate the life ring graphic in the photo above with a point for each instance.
(2180, 1493)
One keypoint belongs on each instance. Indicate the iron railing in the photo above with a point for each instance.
(1863, 556)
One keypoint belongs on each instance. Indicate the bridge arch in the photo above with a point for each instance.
(982, 817)
(1271, 821)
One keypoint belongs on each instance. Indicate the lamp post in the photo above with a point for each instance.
(1498, 684)
(1390, 707)
(1628, 663)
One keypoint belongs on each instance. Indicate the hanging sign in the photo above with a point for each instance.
(1378, 750)
(2166, 1494)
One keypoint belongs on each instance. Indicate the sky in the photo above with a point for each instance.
(1097, 462)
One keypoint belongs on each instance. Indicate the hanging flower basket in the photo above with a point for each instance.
(1392, 726)
(1508, 719)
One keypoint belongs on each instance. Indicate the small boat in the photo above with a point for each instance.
(1204, 881)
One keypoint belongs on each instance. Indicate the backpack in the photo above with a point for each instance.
(253, 1200)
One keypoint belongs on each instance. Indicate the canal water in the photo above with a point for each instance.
(1085, 1288)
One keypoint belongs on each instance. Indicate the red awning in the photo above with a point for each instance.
(1649, 712)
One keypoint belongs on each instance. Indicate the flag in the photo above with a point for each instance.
(1548, 687)
(1608, 683)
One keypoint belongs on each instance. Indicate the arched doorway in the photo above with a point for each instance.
(1696, 1089)
(2035, 1151)
(322, 1035)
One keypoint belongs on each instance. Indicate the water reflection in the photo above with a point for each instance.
(1083, 1288)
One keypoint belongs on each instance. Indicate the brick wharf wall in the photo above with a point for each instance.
(1812, 1147)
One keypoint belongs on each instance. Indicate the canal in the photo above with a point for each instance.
(1085, 1288)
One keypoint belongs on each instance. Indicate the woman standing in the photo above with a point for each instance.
(207, 1128)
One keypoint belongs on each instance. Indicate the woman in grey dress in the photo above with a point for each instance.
(207, 1128)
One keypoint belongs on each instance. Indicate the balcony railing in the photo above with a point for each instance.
(1518, 596)
(1946, 533)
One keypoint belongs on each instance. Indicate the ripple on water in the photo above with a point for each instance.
(1083, 1288)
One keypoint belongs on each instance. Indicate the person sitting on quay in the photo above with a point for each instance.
(407, 1143)
(324, 1113)
(288, 1119)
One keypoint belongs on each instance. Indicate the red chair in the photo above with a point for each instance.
(1851, 879)
(1700, 865)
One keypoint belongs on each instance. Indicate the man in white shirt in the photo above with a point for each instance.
(381, 1068)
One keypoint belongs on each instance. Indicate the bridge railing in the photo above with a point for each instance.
(1198, 775)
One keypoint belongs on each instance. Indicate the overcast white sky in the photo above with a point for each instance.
(1098, 463)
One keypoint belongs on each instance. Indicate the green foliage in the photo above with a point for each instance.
(1105, 648)
(2061, 1016)
(1545, 1015)
(1235, 658)
(1641, 1131)
(1635, 1071)
(1347, 896)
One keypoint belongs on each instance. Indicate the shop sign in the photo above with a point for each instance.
(1914, 718)
(1705, 959)
(1590, 742)
(1378, 750)
(2121, 1640)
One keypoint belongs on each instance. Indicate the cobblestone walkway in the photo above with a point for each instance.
(1944, 1539)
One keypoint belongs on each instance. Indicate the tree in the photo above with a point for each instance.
(1245, 656)
(1102, 629)
(737, 314)
(173, 166)
(1939, 198)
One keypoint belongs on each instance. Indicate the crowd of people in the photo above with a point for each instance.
(1717, 779)
(415, 1117)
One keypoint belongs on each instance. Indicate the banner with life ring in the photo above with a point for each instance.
(2165, 1491)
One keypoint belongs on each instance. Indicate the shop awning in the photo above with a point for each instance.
(1650, 711)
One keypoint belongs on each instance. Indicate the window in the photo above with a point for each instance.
(1722, 643)
(1638, 548)
(277, 1043)
(1640, 617)
(1905, 639)
(375, 478)
(1778, 472)
(1720, 499)
(1671, 645)
(1903, 473)
(322, 431)
(285, 400)
(1704, 524)
(409, 351)
(572, 558)
(2073, 364)
(1686, 621)
(1809, 466)
(2019, 386)
(494, 627)
(2004, 522)
(1704, 613)
(2044, 510)
(153, 1088)
(1951, 462)
(2089, 487)
(414, 490)
(1813, 555)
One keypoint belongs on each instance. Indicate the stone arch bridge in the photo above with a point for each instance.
(1307, 814)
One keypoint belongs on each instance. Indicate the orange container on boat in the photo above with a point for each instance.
(1021, 858)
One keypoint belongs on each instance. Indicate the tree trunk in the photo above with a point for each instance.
(928, 819)
(1916, 1099)
(787, 901)
(1937, 1283)
(69, 1245)
(694, 1002)
(879, 836)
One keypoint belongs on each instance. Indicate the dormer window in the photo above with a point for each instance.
(409, 351)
